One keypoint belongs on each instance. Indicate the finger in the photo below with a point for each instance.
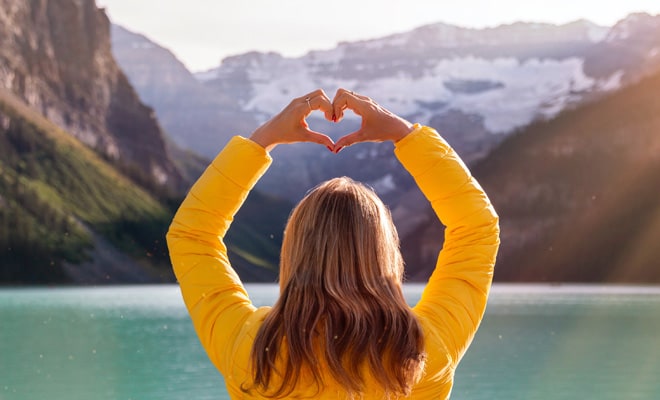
(348, 140)
(322, 102)
(316, 100)
(342, 91)
(326, 107)
(364, 102)
(311, 95)
(304, 106)
(339, 103)
(316, 137)
(345, 99)
(361, 97)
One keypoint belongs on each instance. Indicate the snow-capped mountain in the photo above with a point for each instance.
(507, 75)
(631, 48)
(473, 85)
(506, 92)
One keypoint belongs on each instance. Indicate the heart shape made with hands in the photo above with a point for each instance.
(290, 125)
(342, 132)
(377, 124)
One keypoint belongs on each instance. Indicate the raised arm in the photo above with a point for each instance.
(211, 289)
(454, 299)
(214, 295)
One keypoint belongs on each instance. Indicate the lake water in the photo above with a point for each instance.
(536, 342)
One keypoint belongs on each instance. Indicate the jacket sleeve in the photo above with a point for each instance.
(212, 291)
(454, 299)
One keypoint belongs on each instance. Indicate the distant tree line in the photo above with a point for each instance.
(35, 239)
(51, 201)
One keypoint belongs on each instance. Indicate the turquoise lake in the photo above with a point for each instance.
(136, 342)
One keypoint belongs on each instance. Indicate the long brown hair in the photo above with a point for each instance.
(341, 308)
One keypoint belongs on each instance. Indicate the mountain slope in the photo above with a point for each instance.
(579, 196)
(189, 112)
(60, 202)
(67, 216)
(475, 86)
(631, 49)
(87, 183)
(55, 55)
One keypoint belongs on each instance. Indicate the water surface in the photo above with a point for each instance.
(536, 342)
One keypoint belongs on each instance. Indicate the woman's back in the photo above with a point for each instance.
(341, 304)
(308, 344)
(237, 364)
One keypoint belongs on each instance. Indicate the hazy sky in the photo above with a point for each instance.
(202, 32)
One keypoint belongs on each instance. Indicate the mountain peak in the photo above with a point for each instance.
(642, 26)
(251, 58)
(442, 35)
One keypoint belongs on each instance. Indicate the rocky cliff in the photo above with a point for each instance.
(56, 56)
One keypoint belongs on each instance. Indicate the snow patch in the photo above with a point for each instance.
(613, 82)
(142, 45)
(327, 57)
(519, 90)
(205, 76)
(384, 184)
(523, 88)
(362, 155)
(597, 33)
(159, 174)
(623, 29)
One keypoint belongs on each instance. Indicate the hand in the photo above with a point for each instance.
(289, 126)
(378, 124)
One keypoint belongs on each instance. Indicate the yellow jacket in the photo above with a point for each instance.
(451, 306)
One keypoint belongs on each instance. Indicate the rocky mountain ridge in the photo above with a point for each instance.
(87, 186)
(56, 56)
(85, 174)
(66, 214)
(474, 85)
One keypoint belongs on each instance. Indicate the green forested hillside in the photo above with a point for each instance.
(55, 194)
(61, 204)
(255, 237)
(579, 195)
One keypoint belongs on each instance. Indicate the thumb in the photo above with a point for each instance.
(316, 137)
(347, 140)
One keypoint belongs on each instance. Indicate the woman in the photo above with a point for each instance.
(341, 328)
